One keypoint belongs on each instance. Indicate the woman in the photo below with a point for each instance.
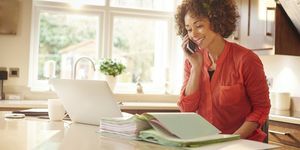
(224, 82)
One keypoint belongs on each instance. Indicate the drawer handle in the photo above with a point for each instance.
(277, 132)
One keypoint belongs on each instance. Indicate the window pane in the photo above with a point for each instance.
(78, 2)
(63, 38)
(162, 5)
(142, 43)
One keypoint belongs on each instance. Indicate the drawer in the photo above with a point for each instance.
(284, 133)
(283, 146)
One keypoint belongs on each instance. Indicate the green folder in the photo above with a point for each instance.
(152, 135)
(181, 129)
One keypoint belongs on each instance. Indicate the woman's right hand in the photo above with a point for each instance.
(196, 59)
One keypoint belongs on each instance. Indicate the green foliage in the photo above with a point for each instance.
(59, 31)
(110, 67)
(121, 43)
(136, 48)
(56, 33)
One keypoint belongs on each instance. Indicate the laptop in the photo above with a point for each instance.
(86, 101)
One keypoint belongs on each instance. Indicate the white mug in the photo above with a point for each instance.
(282, 101)
(56, 110)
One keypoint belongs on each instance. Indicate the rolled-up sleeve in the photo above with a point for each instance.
(188, 103)
(257, 88)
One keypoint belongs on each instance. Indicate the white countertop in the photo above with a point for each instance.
(23, 104)
(131, 97)
(32, 133)
(29, 104)
(286, 119)
(287, 116)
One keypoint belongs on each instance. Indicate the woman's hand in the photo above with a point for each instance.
(196, 58)
(246, 129)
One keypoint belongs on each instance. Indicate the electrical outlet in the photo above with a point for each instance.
(3, 74)
(14, 72)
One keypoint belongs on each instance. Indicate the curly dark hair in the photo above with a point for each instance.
(222, 15)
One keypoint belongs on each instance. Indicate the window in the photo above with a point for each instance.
(140, 33)
(161, 5)
(134, 37)
(63, 38)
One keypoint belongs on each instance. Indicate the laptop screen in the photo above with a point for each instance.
(86, 101)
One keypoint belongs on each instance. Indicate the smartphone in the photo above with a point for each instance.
(191, 46)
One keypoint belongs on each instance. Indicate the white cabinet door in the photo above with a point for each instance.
(256, 28)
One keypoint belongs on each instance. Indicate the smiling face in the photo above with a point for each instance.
(199, 30)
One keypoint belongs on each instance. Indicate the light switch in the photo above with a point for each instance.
(14, 72)
(270, 82)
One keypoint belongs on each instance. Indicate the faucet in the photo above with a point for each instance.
(81, 58)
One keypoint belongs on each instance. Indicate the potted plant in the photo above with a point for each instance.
(111, 69)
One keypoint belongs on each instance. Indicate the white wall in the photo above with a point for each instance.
(285, 71)
(14, 52)
(14, 49)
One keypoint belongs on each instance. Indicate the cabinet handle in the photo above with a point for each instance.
(270, 13)
(262, 49)
(277, 132)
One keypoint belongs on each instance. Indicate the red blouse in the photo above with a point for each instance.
(237, 92)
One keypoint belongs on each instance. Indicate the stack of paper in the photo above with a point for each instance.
(128, 126)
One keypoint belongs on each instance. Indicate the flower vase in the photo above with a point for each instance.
(111, 81)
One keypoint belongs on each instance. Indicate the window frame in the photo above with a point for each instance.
(40, 7)
(106, 14)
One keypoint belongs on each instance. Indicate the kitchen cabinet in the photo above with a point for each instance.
(287, 41)
(286, 135)
(256, 28)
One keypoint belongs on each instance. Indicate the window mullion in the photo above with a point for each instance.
(34, 47)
